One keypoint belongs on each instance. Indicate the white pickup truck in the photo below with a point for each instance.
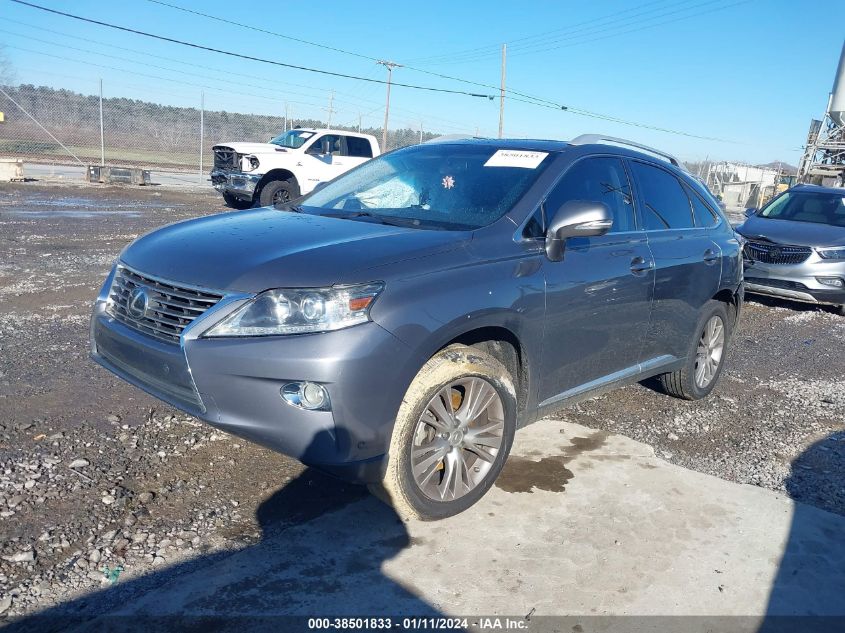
(288, 166)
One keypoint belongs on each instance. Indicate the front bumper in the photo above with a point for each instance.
(234, 384)
(239, 184)
(799, 282)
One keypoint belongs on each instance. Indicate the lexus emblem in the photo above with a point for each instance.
(138, 303)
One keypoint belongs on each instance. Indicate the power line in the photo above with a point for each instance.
(492, 49)
(594, 34)
(357, 102)
(513, 95)
(248, 57)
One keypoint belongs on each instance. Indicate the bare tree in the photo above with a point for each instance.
(7, 72)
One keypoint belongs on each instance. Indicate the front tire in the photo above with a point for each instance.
(236, 203)
(452, 435)
(278, 192)
(706, 357)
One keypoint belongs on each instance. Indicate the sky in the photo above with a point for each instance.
(748, 75)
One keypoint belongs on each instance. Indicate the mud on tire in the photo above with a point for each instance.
(462, 378)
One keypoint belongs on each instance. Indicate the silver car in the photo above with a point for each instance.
(795, 246)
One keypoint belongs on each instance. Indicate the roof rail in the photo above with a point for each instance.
(589, 139)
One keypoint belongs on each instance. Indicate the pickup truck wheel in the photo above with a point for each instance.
(236, 203)
(452, 435)
(706, 357)
(278, 192)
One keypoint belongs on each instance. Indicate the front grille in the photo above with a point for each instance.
(784, 284)
(776, 253)
(225, 158)
(169, 308)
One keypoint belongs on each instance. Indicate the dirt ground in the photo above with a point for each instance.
(99, 481)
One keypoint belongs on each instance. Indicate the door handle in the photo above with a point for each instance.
(710, 256)
(641, 265)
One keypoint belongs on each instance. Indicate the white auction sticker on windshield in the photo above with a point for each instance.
(516, 158)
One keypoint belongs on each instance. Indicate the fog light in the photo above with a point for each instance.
(835, 282)
(306, 395)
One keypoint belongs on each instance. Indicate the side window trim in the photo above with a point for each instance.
(681, 184)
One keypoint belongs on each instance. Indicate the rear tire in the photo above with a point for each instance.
(705, 358)
(277, 192)
(452, 435)
(236, 203)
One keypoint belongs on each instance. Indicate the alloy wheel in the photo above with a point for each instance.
(457, 439)
(709, 353)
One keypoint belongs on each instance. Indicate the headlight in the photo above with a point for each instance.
(300, 311)
(250, 163)
(832, 253)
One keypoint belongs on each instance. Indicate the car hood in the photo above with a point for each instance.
(254, 148)
(266, 248)
(789, 232)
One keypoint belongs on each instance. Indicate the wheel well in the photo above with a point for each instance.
(504, 346)
(730, 299)
(276, 174)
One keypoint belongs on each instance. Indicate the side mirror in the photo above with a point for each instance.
(576, 218)
(750, 212)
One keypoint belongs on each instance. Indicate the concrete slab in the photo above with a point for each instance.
(580, 523)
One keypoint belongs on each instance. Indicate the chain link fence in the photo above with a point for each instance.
(47, 125)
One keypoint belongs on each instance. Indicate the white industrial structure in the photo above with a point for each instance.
(740, 185)
(824, 156)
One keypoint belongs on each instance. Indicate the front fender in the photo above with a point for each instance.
(427, 312)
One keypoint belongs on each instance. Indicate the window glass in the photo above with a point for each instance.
(332, 142)
(359, 147)
(818, 207)
(534, 227)
(440, 185)
(597, 180)
(293, 139)
(666, 206)
(704, 215)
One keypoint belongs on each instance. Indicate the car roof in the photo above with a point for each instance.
(536, 145)
(837, 191)
(548, 145)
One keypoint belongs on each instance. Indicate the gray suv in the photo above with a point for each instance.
(397, 325)
(795, 246)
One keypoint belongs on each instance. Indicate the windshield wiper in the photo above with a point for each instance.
(381, 219)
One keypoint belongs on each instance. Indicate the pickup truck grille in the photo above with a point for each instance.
(225, 158)
(776, 253)
(167, 310)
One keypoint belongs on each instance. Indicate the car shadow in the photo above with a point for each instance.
(808, 592)
(321, 552)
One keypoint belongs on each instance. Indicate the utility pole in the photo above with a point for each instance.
(359, 122)
(421, 132)
(330, 109)
(390, 66)
(286, 116)
(102, 137)
(202, 127)
(502, 94)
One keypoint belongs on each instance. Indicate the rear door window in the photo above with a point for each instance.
(665, 204)
(358, 147)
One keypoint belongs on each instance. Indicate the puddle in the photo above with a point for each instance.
(524, 475)
(72, 213)
(585, 444)
(79, 207)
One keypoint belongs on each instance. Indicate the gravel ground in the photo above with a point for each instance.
(100, 483)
